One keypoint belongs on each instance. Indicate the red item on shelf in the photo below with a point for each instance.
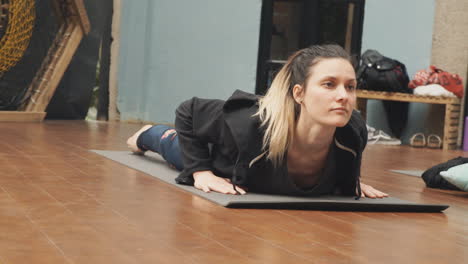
(434, 75)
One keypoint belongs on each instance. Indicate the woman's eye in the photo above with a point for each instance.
(351, 87)
(328, 84)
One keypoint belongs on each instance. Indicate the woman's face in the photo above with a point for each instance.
(329, 96)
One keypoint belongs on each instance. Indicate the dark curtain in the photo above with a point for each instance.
(73, 96)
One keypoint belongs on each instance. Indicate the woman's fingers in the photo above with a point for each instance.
(207, 182)
(381, 194)
(202, 187)
(222, 188)
(371, 192)
(376, 193)
(226, 188)
(236, 190)
(205, 189)
(241, 190)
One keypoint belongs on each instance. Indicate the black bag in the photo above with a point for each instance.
(379, 73)
(432, 176)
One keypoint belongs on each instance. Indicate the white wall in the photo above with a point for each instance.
(401, 30)
(172, 50)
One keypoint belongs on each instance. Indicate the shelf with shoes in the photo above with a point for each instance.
(451, 105)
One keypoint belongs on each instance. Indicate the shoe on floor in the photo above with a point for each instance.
(379, 137)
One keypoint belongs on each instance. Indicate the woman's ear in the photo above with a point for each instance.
(298, 93)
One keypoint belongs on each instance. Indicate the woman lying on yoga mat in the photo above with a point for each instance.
(302, 138)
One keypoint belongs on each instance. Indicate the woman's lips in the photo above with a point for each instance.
(340, 109)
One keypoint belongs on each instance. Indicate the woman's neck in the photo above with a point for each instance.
(311, 137)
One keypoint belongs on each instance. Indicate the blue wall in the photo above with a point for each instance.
(402, 30)
(172, 50)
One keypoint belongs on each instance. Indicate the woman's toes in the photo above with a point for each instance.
(132, 141)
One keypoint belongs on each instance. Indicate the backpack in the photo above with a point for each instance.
(379, 73)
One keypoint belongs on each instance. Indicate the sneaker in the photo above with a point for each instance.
(379, 137)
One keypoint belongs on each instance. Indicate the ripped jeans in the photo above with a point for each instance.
(162, 139)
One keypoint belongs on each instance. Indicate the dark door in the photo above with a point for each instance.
(289, 25)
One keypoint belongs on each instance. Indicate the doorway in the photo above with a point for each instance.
(289, 25)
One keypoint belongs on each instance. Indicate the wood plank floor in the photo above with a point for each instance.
(60, 203)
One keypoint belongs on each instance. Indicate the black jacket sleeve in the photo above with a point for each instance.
(359, 125)
(363, 142)
(354, 136)
(363, 135)
(199, 122)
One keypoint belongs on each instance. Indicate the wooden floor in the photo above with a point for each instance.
(60, 203)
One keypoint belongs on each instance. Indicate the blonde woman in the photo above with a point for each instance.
(302, 138)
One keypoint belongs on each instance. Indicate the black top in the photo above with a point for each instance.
(222, 136)
(326, 182)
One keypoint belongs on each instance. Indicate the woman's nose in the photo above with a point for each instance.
(342, 93)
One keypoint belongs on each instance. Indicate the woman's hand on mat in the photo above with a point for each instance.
(369, 191)
(207, 182)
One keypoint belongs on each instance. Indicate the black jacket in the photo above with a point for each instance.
(222, 136)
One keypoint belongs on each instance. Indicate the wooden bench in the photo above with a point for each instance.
(452, 110)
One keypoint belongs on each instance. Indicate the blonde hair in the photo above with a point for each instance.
(278, 111)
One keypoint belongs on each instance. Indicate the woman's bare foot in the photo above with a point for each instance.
(132, 141)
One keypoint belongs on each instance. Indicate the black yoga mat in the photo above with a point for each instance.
(155, 166)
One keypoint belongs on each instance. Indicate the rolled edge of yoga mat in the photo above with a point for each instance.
(342, 206)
